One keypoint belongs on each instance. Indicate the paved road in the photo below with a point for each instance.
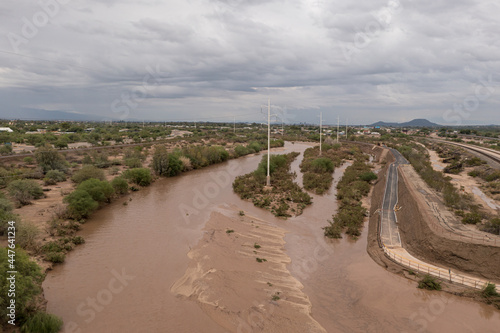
(391, 240)
(389, 232)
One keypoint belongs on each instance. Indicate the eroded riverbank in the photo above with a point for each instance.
(149, 240)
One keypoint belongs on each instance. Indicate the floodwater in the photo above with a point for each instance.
(120, 279)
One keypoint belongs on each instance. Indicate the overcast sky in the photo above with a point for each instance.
(364, 60)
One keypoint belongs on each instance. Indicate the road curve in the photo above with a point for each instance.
(391, 240)
(489, 155)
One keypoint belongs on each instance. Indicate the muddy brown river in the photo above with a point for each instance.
(120, 279)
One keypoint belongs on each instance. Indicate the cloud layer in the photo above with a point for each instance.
(214, 59)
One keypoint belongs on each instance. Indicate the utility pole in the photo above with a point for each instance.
(234, 124)
(320, 131)
(346, 121)
(268, 179)
(338, 125)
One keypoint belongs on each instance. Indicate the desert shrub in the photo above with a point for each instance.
(186, 163)
(55, 257)
(52, 246)
(135, 152)
(28, 160)
(368, 176)
(77, 240)
(114, 171)
(24, 190)
(276, 162)
(473, 173)
(333, 230)
(492, 176)
(5, 204)
(165, 164)
(429, 282)
(175, 165)
(240, 150)
(321, 165)
(282, 210)
(159, 163)
(87, 172)
(284, 191)
(351, 190)
(139, 176)
(317, 182)
(80, 204)
(5, 177)
(100, 160)
(133, 162)
(489, 290)
(202, 156)
(471, 218)
(474, 161)
(28, 280)
(6, 214)
(49, 159)
(26, 235)
(493, 226)
(5, 149)
(254, 147)
(120, 185)
(52, 177)
(87, 159)
(42, 322)
(99, 190)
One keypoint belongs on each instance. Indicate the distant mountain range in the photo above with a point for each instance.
(40, 114)
(412, 123)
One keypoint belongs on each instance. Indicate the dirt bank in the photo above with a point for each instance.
(421, 241)
(377, 254)
(237, 291)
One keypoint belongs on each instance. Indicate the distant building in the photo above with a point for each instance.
(180, 133)
(6, 129)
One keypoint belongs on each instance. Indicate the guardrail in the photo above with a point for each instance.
(440, 273)
(422, 267)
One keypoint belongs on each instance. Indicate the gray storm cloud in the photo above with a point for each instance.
(367, 60)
